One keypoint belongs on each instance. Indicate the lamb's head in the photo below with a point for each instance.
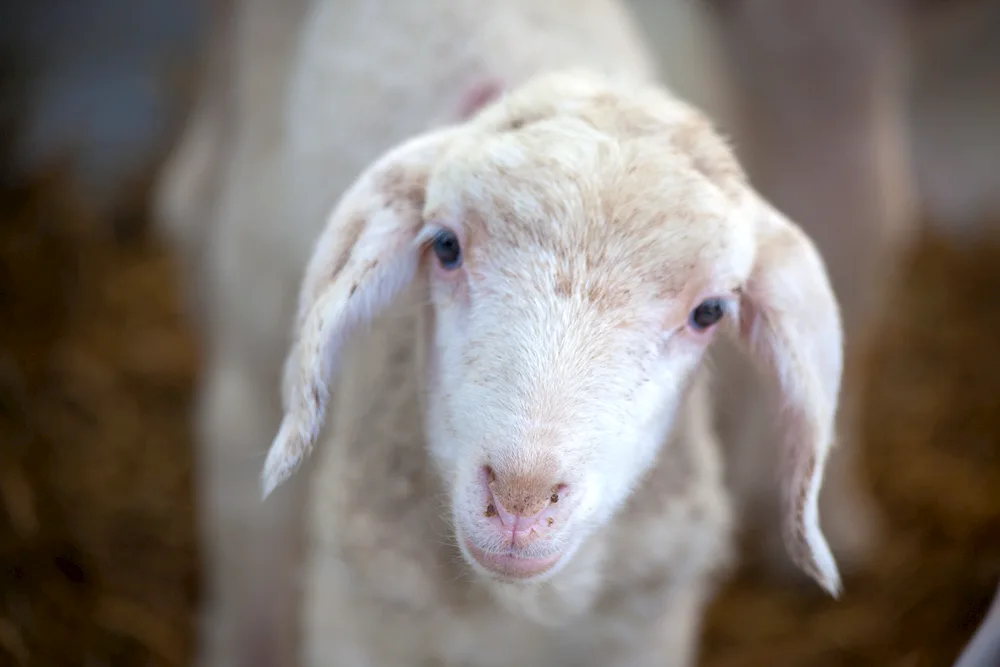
(579, 244)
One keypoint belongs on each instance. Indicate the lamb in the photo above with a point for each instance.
(520, 466)
(315, 90)
(301, 97)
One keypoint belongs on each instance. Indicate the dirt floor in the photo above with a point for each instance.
(99, 561)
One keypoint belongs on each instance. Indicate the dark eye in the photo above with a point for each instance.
(448, 252)
(707, 314)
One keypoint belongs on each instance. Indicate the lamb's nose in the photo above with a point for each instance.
(519, 501)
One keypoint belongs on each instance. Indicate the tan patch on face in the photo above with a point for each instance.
(404, 189)
(524, 494)
(709, 155)
(592, 287)
(681, 283)
(474, 231)
(564, 286)
(607, 298)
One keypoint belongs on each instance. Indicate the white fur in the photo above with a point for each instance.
(316, 91)
(558, 359)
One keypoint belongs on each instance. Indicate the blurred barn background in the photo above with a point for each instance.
(99, 560)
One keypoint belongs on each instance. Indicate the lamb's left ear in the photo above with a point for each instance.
(790, 321)
(368, 252)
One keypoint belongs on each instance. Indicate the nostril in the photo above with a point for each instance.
(558, 491)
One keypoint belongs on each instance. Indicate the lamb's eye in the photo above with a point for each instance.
(707, 314)
(447, 249)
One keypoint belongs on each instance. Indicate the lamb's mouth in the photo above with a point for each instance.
(510, 566)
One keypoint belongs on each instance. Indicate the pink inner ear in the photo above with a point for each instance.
(477, 97)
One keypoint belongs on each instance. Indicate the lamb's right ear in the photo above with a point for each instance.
(368, 252)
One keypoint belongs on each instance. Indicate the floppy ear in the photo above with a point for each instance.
(368, 252)
(790, 321)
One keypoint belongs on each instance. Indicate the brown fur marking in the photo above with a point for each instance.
(523, 495)
(404, 188)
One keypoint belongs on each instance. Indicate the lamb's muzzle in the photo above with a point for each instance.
(513, 534)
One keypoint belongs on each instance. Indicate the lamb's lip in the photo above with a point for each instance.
(511, 566)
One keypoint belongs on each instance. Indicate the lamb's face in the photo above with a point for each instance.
(574, 291)
(581, 245)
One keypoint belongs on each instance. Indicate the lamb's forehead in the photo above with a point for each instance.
(620, 110)
(570, 187)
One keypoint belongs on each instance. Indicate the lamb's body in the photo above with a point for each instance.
(386, 585)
